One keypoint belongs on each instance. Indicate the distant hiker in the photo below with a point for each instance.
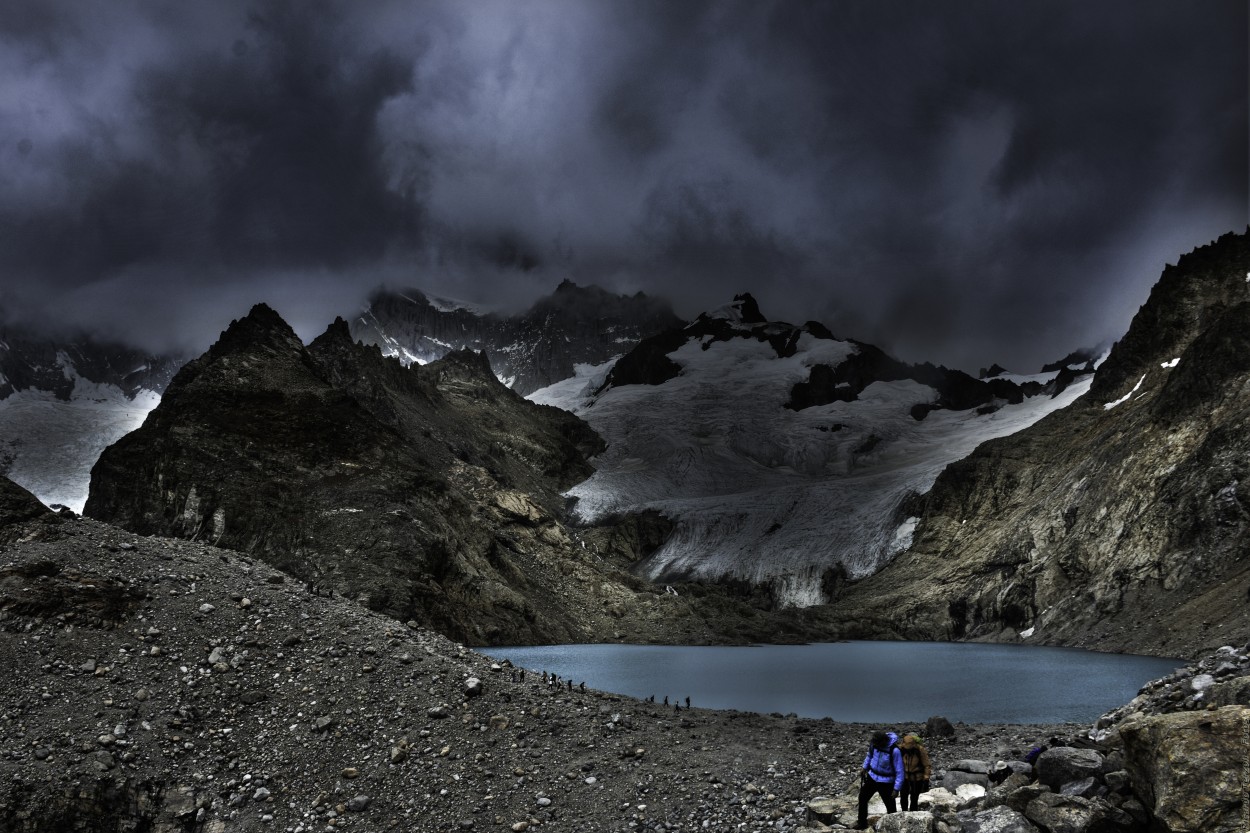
(882, 774)
(687, 702)
(522, 675)
(666, 699)
(570, 683)
(676, 708)
(582, 686)
(916, 770)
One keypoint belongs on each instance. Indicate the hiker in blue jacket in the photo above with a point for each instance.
(883, 774)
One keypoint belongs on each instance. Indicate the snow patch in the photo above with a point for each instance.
(903, 536)
(1109, 405)
(1025, 634)
(48, 445)
(1170, 365)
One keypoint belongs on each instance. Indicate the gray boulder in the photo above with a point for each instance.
(1058, 766)
(978, 767)
(997, 820)
(938, 727)
(1085, 788)
(953, 779)
(1060, 813)
(912, 821)
(1186, 768)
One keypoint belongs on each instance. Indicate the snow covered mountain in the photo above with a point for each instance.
(528, 351)
(63, 401)
(786, 456)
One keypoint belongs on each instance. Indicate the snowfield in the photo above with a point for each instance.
(49, 445)
(761, 492)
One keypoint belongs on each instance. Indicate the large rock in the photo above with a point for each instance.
(18, 505)
(1187, 768)
(953, 779)
(1064, 764)
(997, 820)
(913, 821)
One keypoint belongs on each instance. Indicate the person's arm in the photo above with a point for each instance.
(898, 769)
(924, 760)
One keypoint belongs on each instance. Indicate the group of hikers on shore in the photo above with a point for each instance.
(893, 769)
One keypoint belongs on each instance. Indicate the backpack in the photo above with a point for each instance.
(889, 756)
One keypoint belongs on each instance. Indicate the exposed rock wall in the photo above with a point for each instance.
(1119, 523)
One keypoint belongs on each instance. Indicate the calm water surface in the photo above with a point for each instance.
(862, 682)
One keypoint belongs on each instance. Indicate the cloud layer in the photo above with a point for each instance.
(979, 182)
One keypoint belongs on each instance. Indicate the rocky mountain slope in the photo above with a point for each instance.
(787, 458)
(1119, 522)
(574, 325)
(63, 400)
(431, 493)
(171, 686)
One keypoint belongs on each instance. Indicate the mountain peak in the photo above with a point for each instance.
(261, 328)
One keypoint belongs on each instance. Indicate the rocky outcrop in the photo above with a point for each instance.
(17, 506)
(574, 325)
(1119, 523)
(1188, 768)
(1182, 743)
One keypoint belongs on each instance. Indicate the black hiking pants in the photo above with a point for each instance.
(911, 794)
(866, 789)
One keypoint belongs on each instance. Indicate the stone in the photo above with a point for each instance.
(997, 820)
(438, 712)
(1085, 787)
(978, 767)
(1118, 781)
(939, 727)
(938, 800)
(1186, 768)
(1231, 692)
(822, 810)
(911, 821)
(207, 608)
(969, 792)
(473, 687)
(953, 779)
(322, 724)
(1056, 767)
(1060, 813)
(358, 804)
(1018, 800)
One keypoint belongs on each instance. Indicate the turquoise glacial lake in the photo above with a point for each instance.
(860, 682)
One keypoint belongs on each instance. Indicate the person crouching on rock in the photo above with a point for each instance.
(916, 770)
(883, 774)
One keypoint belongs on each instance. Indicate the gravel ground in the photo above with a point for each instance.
(163, 679)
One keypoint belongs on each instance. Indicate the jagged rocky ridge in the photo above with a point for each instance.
(574, 325)
(1119, 523)
(166, 685)
(431, 493)
(29, 361)
(785, 456)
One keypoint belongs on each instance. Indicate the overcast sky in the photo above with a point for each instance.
(962, 182)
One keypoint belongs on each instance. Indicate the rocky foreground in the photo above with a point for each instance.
(163, 685)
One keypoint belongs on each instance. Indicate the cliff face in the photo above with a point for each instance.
(430, 494)
(574, 325)
(1119, 523)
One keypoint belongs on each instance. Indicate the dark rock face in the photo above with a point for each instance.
(29, 360)
(573, 325)
(1121, 522)
(430, 493)
(17, 506)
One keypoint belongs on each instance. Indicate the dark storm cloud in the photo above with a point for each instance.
(965, 183)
